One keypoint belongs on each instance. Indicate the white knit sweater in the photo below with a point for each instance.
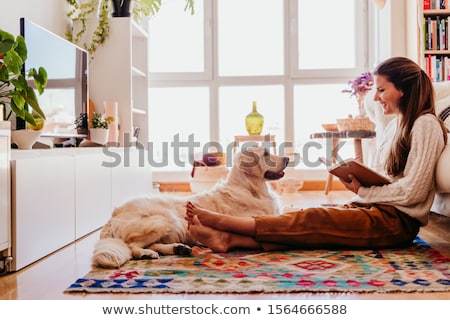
(413, 192)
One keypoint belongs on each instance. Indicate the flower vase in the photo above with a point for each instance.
(361, 108)
(254, 121)
(99, 135)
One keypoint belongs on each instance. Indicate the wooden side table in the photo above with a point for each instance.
(335, 137)
(264, 140)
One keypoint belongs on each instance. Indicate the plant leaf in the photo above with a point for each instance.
(13, 61)
(29, 117)
(19, 111)
(32, 100)
(6, 42)
(20, 83)
(21, 48)
(40, 78)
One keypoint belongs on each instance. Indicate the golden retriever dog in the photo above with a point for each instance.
(144, 227)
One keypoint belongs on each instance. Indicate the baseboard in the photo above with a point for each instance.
(309, 185)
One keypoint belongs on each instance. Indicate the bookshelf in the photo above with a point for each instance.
(119, 72)
(436, 39)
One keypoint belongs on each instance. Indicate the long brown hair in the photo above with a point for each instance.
(417, 100)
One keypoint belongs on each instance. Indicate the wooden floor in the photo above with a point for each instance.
(48, 278)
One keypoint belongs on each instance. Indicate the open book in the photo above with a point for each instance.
(366, 176)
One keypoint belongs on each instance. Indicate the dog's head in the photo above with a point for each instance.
(258, 162)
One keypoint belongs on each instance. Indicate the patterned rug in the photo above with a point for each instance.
(418, 268)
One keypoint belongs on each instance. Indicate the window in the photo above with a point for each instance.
(177, 41)
(250, 38)
(292, 57)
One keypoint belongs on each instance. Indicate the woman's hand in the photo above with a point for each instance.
(351, 184)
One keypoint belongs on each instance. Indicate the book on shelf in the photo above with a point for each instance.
(437, 67)
(365, 175)
(435, 4)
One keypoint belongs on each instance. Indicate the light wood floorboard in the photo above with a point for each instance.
(49, 277)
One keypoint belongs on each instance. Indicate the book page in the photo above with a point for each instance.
(366, 176)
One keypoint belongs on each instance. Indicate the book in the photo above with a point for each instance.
(365, 175)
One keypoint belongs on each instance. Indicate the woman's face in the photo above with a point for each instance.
(387, 95)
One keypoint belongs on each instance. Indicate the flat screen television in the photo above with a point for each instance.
(66, 94)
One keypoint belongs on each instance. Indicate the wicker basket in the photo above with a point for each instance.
(355, 124)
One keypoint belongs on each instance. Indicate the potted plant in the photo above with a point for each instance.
(81, 10)
(15, 90)
(100, 128)
(81, 123)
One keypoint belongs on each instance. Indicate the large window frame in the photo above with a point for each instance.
(292, 76)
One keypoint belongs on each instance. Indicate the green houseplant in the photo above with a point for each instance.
(100, 128)
(15, 90)
(81, 10)
(100, 121)
(81, 123)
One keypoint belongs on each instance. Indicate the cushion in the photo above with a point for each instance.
(443, 171)
(442, 99)
(441, 204)
(445, 116)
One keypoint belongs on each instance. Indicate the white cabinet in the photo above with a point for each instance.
(93, 193)
(61, 195)
(119, 72)
(130, 178)
(43, 206)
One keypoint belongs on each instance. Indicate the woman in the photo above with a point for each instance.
(380, 216)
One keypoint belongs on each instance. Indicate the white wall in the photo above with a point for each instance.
(50, 14)
(414, 30)
(391, 30)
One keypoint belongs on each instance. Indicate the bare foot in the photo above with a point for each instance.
(206, 217)
(200, 251)
(213, 239)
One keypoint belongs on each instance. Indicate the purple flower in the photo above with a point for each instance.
(361, 85)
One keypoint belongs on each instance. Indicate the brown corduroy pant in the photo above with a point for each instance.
(349, 226)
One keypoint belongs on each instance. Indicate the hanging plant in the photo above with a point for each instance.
(81, 10)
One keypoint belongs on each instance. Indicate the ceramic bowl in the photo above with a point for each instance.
(330, 127)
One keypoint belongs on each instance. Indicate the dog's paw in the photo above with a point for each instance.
(149, 257)
(182, 250)
(148, 254)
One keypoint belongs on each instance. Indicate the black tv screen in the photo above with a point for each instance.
(66, 94)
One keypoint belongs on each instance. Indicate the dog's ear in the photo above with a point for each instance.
(249, 159)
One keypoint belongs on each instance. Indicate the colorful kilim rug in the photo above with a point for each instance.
(418, 268)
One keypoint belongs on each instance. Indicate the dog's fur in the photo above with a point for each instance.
(145, 227)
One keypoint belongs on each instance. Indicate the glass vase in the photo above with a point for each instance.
(254, 121)
(361, 108)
